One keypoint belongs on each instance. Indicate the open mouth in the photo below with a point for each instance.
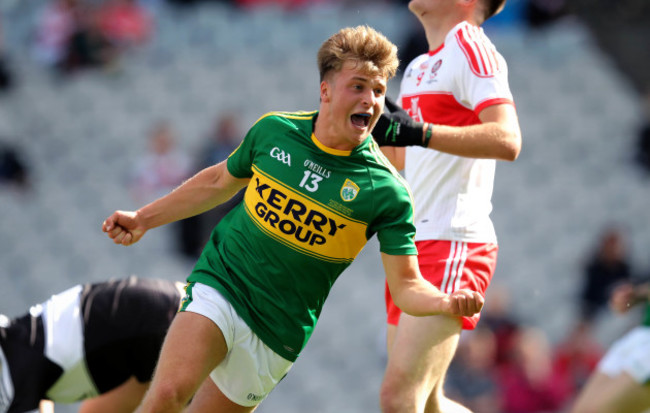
(360, 119)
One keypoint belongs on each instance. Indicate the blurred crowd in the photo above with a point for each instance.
(71, 35)
(507, 365)
(165, 166)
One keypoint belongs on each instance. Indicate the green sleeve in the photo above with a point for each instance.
(241, 160)
(395, 228)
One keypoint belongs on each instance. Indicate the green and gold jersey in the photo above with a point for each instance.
(306, 214)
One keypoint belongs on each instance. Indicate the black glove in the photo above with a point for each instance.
(397, 128)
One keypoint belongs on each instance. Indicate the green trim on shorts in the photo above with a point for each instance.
(187, 300)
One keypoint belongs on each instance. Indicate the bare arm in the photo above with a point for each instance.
(498, 136)
(124, 398)
(205, 190)
(417, 297)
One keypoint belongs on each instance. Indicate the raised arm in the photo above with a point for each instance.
(417, 297)
(498, 136)
(205, 190)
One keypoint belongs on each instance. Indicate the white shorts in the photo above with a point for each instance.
(251, 369)
(630, 354)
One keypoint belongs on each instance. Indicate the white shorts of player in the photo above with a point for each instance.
(251, 369)
(629, 354)
(64, 345)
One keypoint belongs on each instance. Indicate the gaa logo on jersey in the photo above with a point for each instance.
(349, 190)
(281, 155)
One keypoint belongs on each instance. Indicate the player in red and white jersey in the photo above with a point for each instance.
(450, 86)
(457, 118)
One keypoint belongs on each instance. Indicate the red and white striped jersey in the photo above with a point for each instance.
(450, 86)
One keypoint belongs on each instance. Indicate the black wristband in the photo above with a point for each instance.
(407, 133)
(397, 128)
(393, 130)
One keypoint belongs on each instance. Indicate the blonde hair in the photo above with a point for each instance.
(370, 50)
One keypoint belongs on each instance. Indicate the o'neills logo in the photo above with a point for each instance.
(301, 222)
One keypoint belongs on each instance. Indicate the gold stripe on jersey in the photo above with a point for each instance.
(331, 151)
(302, 223)
(300, 115)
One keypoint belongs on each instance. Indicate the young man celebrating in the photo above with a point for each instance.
(318, 188)
(458, 117)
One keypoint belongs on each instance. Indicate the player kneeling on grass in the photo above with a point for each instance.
(318, 188)
(93, 342)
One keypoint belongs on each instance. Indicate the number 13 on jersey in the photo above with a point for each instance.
(310, 181)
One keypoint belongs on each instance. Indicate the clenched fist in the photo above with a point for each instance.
(464, 303)
(124, 227)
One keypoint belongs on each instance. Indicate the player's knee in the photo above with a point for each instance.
(388, 401)
(165, 397)
(393, 398)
